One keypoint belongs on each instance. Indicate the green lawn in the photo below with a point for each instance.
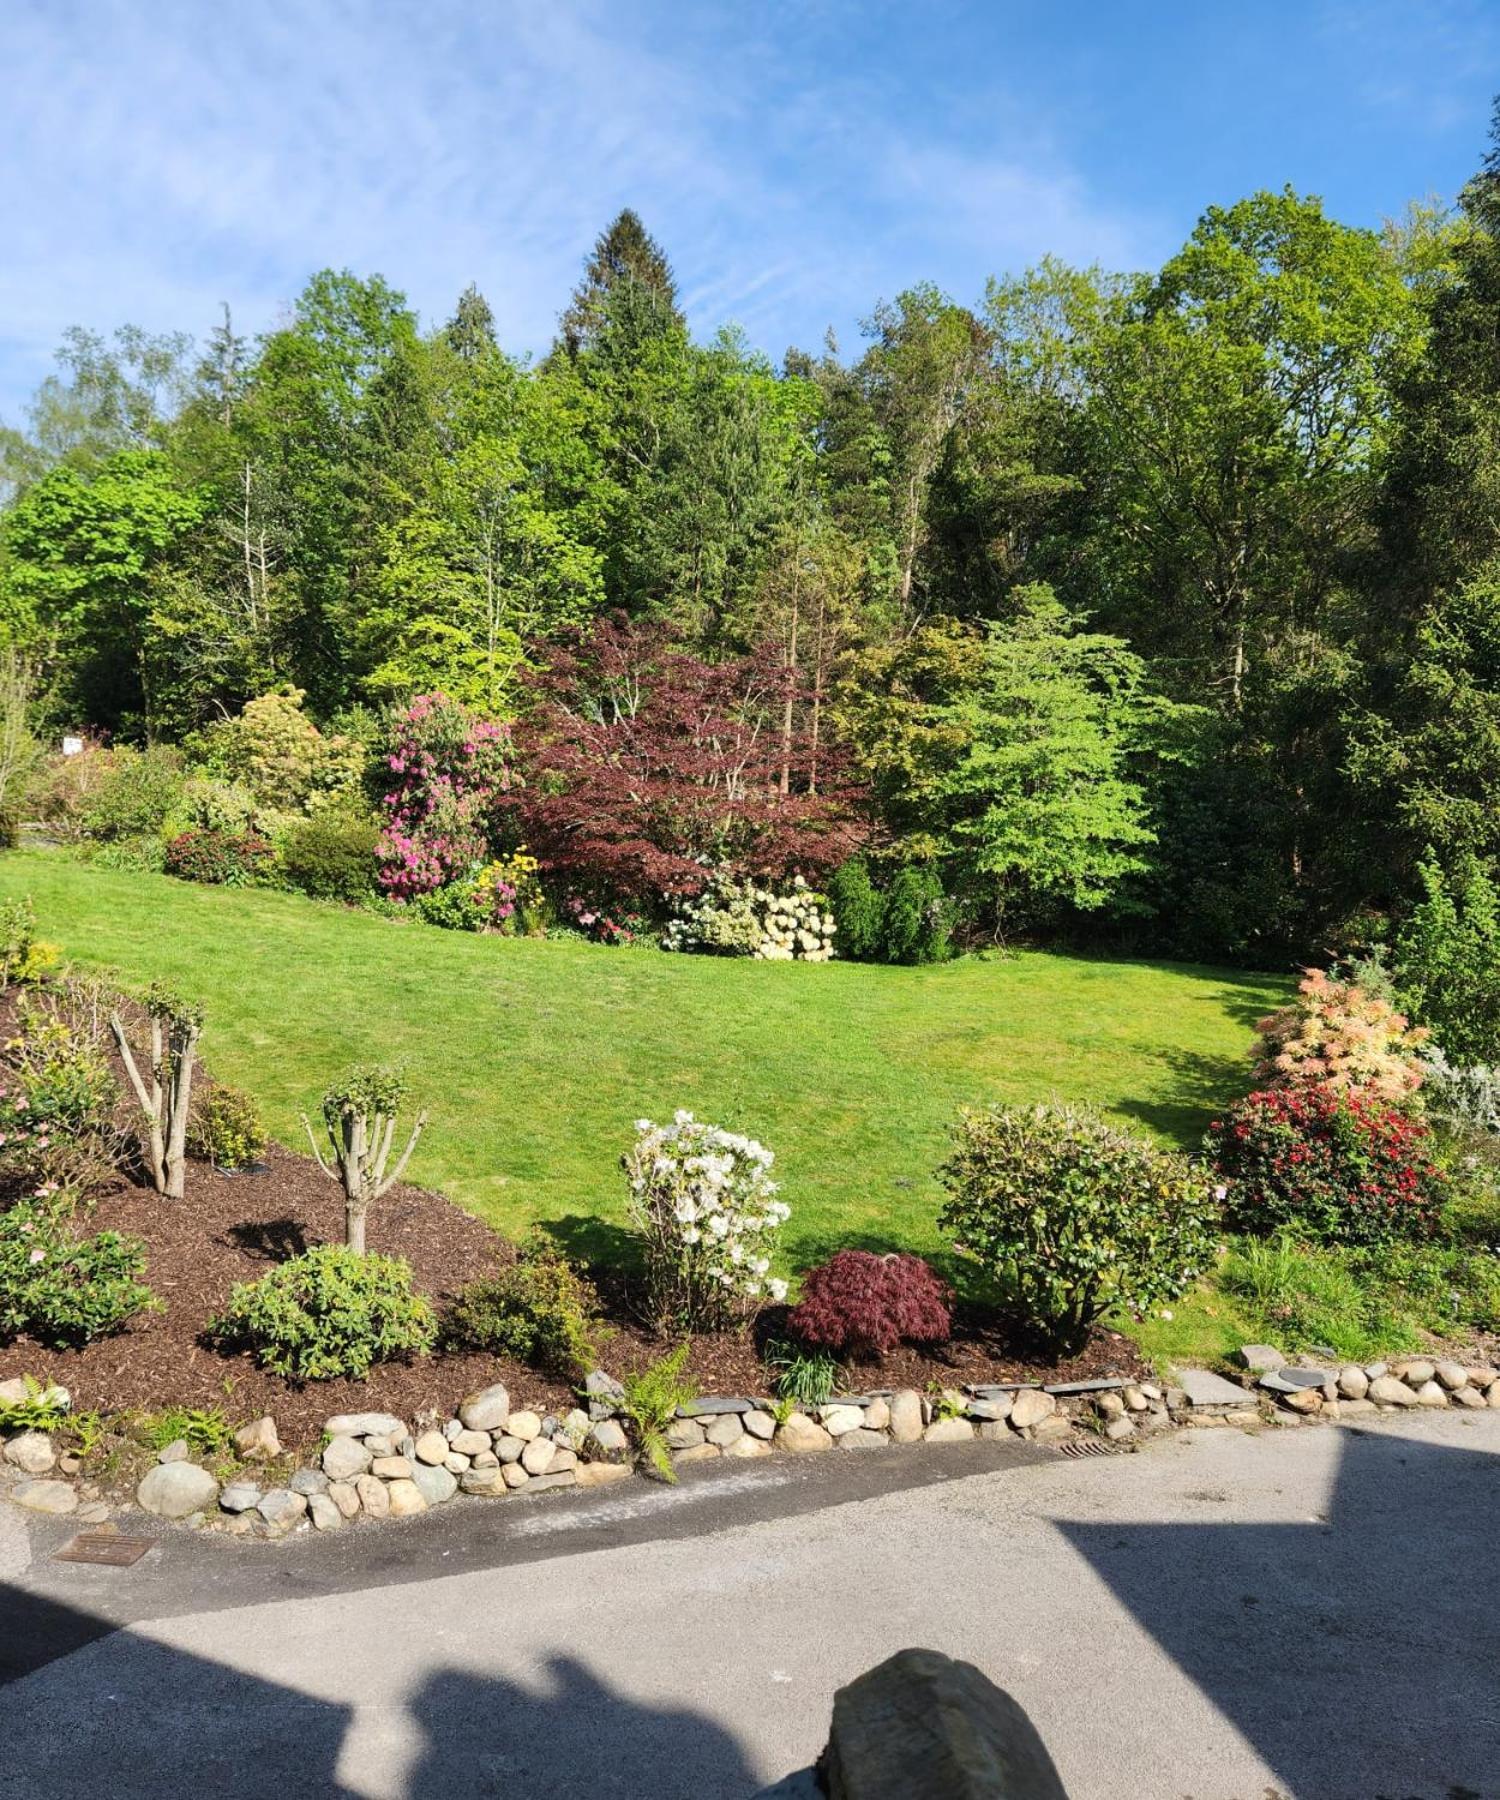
(534, 1058)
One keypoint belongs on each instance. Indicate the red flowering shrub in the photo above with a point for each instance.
(221, 858)
(1339, 1166)
(648, 768)
(449, 768)
(864, 1305)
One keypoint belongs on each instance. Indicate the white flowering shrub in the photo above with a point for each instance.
(732, 918)
(1464, 1100)
(705, 1207)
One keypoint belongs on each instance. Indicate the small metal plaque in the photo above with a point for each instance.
(107, 1547)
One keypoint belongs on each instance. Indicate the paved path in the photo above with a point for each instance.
(1314, 1613)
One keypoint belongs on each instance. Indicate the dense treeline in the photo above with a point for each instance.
(1165, 606)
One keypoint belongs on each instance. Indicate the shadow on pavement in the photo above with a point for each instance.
(147, 1714)
(577, 1738)
(1359, 1652)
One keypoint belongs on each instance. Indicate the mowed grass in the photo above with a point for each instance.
(534, 1058)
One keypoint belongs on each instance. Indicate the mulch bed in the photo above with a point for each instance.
(232, 1228)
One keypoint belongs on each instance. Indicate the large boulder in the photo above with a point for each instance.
(173, 1490)
(486, 1410)
(31, 1452)
(800, 1433)
(1031, 1407)
(366, 1424)
(257, 1441)
(924, 1727)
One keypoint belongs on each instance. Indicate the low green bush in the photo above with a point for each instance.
(538, 1311)
(1074, 1216)
(326, 1313)
(455, 907)
(62, 1289)
(220, 858)
(332, 856)
(225, 1128)
(24, 958)
(136, 795)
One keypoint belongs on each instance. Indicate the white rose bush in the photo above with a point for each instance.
(705, 1207)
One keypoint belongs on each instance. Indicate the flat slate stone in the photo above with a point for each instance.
(1205, 1389)
(983, 1389)
(1293, 1381)
(1085, 1387)
(714, 1403)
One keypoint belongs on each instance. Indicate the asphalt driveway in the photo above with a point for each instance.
(1309, 1613)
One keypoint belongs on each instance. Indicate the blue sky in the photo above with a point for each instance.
(798, 158)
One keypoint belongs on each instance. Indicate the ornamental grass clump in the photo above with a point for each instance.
(1072, 1216)
(864, 1305)
(704, 1206)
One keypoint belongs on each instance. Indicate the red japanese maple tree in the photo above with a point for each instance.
(646, 767)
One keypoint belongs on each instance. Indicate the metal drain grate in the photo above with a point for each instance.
(107, 1547)
(1092, 1446)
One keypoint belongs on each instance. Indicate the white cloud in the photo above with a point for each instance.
(157, 160)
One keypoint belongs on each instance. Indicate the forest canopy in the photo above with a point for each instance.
(1161, 607)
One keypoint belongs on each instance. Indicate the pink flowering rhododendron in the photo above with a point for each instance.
(448, 771)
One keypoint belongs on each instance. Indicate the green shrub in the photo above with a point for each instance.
(279, 755)
(456, 907)
(225, 1128)
(24, 957)
(650, 1402)
(326, 1313)
(137, 795)
(137, 855)
(859, 910)
(916, 923)
(62, 1289)
(538, 1311)
(225, 807)
(220, 858)
(1447, 961)
(58, 1093)
(1074, 1216)
(332, 856)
